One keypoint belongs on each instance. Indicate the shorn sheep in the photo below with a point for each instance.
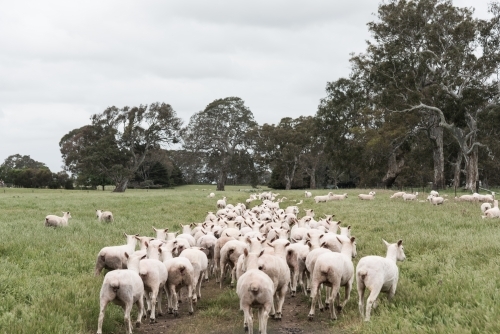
(378, 274)
(125, 288)
(113, 257)
(56, 221)
(106, 216)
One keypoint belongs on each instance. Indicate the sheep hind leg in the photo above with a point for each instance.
(263, 317)
(140, 306)
(334, 295)
(314, 297)
(247, 319)
(127, 308)
(190, 298)
(372, 301)
(103, 305)
(361, 296)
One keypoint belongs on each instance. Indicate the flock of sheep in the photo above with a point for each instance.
(266, 250)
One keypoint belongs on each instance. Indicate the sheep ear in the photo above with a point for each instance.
(270, 245)
(245, 251)
(125, 234)
(353, 239)
(295, 241)
(287, 244)
(147, 245)
(323, 245)
(248, 240)
(137, 237)
(154, 228)
(160, 250)
(339, 240)
(261, 252)
(339, 222)
(349, 227)
(386, 243)
(126, 255)
(308, 235)
(400, 242)
(142, 258)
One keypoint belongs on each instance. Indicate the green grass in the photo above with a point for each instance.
(448, 284)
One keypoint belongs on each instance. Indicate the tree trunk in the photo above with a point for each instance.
(457, 171)
(436, 136)
(121, 186)
(312, 184)
(393, 170)
(471, 168)
(221, 181)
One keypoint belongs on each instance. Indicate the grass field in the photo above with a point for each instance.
(448, 284)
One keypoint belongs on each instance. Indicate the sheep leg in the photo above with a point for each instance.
(148, 304)
(190, 298)
(361, 296)
(392, 291)
(152, 298)
(247, 319)
(335, 292)
(175, 303)
(160, 296)
(348, 289)
(293, 282)
(198, 288)
(233, 276)
(263, 317)
(281, 300)
(140, 306)
(314, 296)
(320, 304)
(104, 303)
(327, 297)
(127, 308)
(371, 302)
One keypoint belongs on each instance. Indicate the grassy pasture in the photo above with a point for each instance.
(448, 284)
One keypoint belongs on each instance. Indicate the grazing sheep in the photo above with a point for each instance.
(334, 270)
(255, 290)
(410, 197)
(378, 274)
(398, 194)
(338, 197)
(106, 216)
(434, 193)
(466, 198)
(308, 194)
(113, 257)
(211, 195)
(325, 198)
(436, 200)
(123, 287)
(56, 221)
(366, 197)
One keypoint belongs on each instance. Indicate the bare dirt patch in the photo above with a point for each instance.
(218, 312)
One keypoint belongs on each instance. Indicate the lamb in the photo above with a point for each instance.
(161, 233)
(368, 197)
(113, 257)
(410, 197)
(324, 198)
(56, 221)
(211, 195)
(255, 289)
(308, 194)
(398, 194)
(123, 287)
(466, 198)
(436, 200)
(338, 197)
(106, 216)
(485, 206)
(154, 275)
(221, 204)
(434, 193)
(229, 255)
(199, 261)
(378, 274)
(494, 212)
(334, 270)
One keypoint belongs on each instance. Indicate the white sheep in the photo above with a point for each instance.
(154, 275)
(378, 274)
(337, 197)
(308, 194)
(369, 197)
(199, 261)
(398, 194)
(466, 198)
(221, 204)
(161, 233)
(410, 197)
(434, 193)
(106, 216)
(325, 198)
(125, 288)
(56, 221)
(485, 206)
(113, 257)
(436, 200)
(334, 270)
(211, 195)
(229, 255)
(255, 290)
(494, 212)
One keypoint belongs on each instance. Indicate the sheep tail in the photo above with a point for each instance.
(254, 288)
(362, 274)
(115, 285)
(182, 268)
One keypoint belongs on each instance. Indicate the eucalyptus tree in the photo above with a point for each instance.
(118, 141)
(219, 134)
(435, 59)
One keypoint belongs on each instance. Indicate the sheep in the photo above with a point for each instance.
(397, 194)
(494, 212)
(436, 200)
(113, 257)
(199, 261)
(56, 221)
(324, 198)
(485, 206)
(295, 253)
(154, 275)
(106, 216)
(211, 195)
(255, 289)
(434, 193)
(309, 212)
(338, 197)
(123, 287)
(466, 198)
(410, 197)
(229, 255)
(378, 274)
(221, 204)
(161, 233)
(334, 270)
(308, 194)
(368, 197)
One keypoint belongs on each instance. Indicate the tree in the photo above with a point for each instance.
(432, 58)
(117, 142)
(218, 133)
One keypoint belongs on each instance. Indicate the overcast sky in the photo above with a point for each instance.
(62, 61)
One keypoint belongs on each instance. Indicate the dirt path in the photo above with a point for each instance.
(218, 312)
